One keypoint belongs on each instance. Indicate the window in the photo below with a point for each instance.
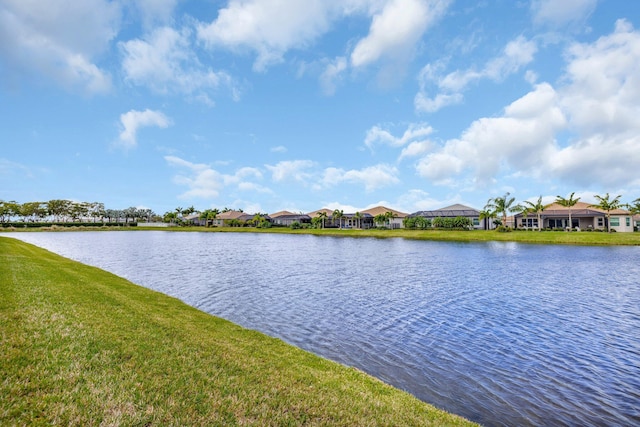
(476, 221)
(600, 222)
(615, 222)
(628, 221)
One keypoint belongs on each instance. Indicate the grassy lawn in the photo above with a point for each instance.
(80, 346)
(544, 237)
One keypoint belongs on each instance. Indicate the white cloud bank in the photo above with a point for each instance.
(41, 38)
(596, 102)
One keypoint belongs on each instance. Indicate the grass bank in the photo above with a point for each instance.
(545, 237)
(80, 346)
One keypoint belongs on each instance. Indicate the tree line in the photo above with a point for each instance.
(60, 211)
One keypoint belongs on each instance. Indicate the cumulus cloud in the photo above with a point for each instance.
(372, 177)
(559, 13)
(416, 132)
(269, 28)
(133, 120)
(41, 38)
(449, 88)
(332, 74)
(396, 29)
(165, 62)
(204, 182)
(595, 104)
(155, 11)
(296, 170)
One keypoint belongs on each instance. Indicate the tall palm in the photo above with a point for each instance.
(358, 218)
(534, 208)
(501, 205)
(486, 214)
(322, 215)
(388, 216)
(568, 203)
(634, 207)
(338, 214)
(607, 204)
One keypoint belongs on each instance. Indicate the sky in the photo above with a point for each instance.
(270, 105)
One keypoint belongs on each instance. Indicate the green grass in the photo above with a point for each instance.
(80, 346)
(544, 237)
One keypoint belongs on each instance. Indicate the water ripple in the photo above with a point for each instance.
(501, 333)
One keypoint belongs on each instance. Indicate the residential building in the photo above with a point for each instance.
(584, 216)
(455, 211)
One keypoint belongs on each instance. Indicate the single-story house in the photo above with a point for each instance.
(396, 220)
(286, 218)
(584, 216)
(224, 218)
(455, 211)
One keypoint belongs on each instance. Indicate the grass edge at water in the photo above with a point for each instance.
(81, 346)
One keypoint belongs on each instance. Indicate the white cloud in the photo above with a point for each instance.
(332, 74)
(42, 38)
(559, 13)
(204, 182)
(516, 54)
(165, 62)
(268, 27)
(596, 105)
(416, 132)
(396, 29)
(297, 170)
(133, 120)
(155, 11)
(372, 177)
(279, 149)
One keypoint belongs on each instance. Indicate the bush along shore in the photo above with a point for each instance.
(80, 346)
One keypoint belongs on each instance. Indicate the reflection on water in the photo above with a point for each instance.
(501, 333)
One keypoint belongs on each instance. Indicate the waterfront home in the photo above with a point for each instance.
(584, 216)
(455, 211)
(286, 218)
(396, 221)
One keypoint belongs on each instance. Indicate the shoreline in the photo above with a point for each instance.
(83, 346)
(588, 238)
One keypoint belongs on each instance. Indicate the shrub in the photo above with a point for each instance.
(503, 229)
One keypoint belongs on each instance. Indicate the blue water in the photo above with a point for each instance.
(500, 333)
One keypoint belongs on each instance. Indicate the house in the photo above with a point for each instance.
(230, 217)
(584, 216)
(455, 211)
(286, 218)
(396, 220)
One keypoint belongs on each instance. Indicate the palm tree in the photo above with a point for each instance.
(535, 208)
(608, 205)
(322, 215)
(568, 203)
(388, 216)
(486, 214)
(358, 218)
(501, 205)
(634, 207)
(338, 214)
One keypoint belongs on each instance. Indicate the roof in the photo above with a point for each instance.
(292, 217)
(314, 214)
(230, 215)
(449, 212)
(383, 210)
(580, 209)
(281, 213)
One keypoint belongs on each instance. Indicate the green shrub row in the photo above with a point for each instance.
(66, 224)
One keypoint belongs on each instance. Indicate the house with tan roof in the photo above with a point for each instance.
(584, 216)
(396, 220)
(455, 211)
(286, 218)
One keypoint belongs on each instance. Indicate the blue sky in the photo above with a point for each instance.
(269, 105)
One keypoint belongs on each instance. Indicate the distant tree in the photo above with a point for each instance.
(323, 216)
(380, 219)
(338, 214)
(358, 217)
(568, 203)
(607, 204)
(388, 216)
(501, 205)
(534, 208)
(487, 214)
(634, 207)
(59, 209)
(130, 212)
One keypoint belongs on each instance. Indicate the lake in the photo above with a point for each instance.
(500, 333)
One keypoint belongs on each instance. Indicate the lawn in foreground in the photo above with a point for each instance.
(80, 346)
